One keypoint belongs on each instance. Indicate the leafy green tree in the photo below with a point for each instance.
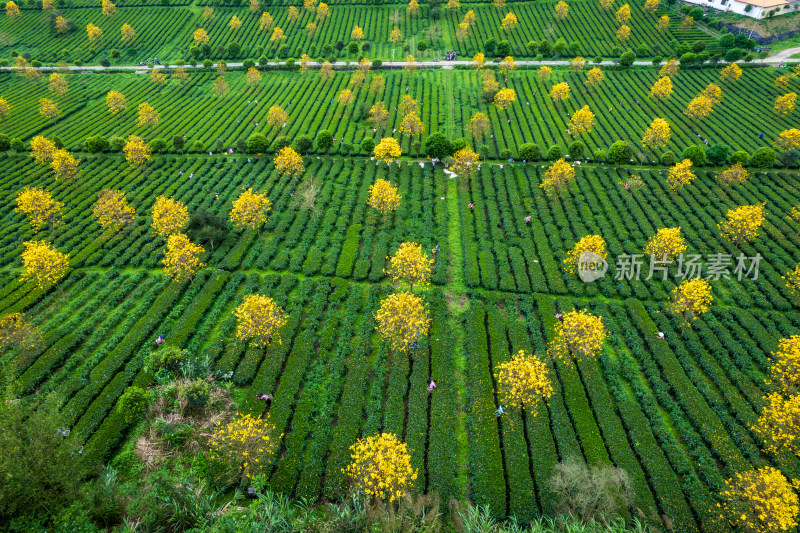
(133, 404)
(207, 227)
(718, 154)
(620, 153)
(627, 59)
(437, 145)
(764, 157)
(530, 152)
(489, 45)
(257, 143)
(40, 471)
(324, 141)
(178, 143)
(367, 145)
(302, 144)
(740, 157)
(695, 154)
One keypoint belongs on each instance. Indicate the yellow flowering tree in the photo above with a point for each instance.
(252, 77)
(323, 10)
(115, 101)
(16, 332)
(595, 77)
(778, 425)
(562, 10)
(38, 205)
(255, 6)
(663, 24)
(148, 116)
(413, 7)
(408, 105)
(265, 22)
(108, 7)
(478, 61)
(784, 373)
(651, 6)
(357, 34)
(785, 104)
(590, 243)
(402, 320)
(200, 36)
(235, 23)
(5, 109)
(504, 98)
(410, 264)
(713, 92)
(58, 84)
(244, 447)
(396, 36)
(249, 210)
(479, 125)
(670, 69)
(378, 115)
(470, 18)
(734, 175)
(94, 33)
(48, 108)
(170, 216)
(259, 319)
(42, 149)
(383, 197)
(699, 107)
(509, 22)
(559, 92)
(657, 135)
(128, 33)
(666, 244)
(276, 117)
(182, 257)
(577, 63)
(557, 177)
(507, 65)
(582, 121)
(690, 299)
(624, 33)
(465, 163)
(623, 14)
(579, 335)
(662, 89)
(387, 150)
(761, 501)
(522, 382)
(411, 125)
(345, 97)
(606, 4)
(788, 140)
(731, 73)
(112, 210)
(743, 223)
(208, 13)
(65, 167)
(289, 163)
(12, 10)
(43, 264)
(157, 77)
(381, 467)
(792, 279)
(137, 153)
(681, 174)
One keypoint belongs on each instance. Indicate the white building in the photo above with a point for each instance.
(750, 8)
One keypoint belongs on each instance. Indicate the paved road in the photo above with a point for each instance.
(779, 57)
(785, 54)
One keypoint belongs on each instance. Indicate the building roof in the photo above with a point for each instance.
(764, 3)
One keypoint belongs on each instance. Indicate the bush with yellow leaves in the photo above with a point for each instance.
(691, 299)
(743, 223)
(402, 320)
(410, 264)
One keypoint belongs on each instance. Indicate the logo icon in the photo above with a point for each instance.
(591, 267)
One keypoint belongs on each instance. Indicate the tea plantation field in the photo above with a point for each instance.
(167, 32)
(676, 414)
(447, 101)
